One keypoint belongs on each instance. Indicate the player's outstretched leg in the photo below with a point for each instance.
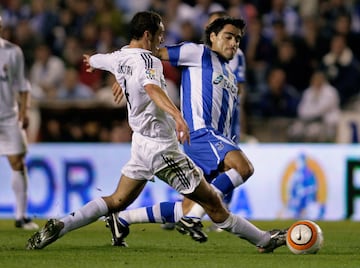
(118, 230)
(46, 235)
(192, 227)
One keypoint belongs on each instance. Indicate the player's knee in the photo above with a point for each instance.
(245, 170)
(114, 203)
(17, 164)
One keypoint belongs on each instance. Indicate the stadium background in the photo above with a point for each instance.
(79, 139)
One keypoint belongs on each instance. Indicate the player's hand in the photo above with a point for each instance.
(117, 92)
(86, 60)
(24, 121)
(182, 131)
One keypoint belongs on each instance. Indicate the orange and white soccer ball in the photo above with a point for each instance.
(304, 237)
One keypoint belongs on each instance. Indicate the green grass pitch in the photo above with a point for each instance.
(150, 246)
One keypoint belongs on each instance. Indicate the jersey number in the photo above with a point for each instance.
(126, 93)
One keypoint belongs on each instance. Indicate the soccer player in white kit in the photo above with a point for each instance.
(155, 150)
(13, 122)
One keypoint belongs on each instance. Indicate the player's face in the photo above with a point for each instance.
(226, 42)
(158, 39)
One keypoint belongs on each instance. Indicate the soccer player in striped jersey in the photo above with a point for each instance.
(155, 151)
(237, 65)
(209, 96)
(13, 122)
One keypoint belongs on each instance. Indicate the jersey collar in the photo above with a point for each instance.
(136, 50)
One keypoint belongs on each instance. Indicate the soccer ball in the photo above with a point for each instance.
(304, 237)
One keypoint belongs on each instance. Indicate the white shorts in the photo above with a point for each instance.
(163, 159)
(12, 139)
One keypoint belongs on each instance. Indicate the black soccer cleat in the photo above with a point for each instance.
(118, 230)
(192, 227)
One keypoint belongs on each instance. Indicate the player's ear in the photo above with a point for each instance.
(212, 37)
(148, 35)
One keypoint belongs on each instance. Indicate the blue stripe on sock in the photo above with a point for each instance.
(223, 183)
(124, 222)
(167, 211)
(150, 214)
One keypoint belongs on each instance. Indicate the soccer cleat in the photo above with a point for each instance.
(277, 239)
(48, 234)
(192, 227)
(168, 226)
(118, 231)
(26, 224)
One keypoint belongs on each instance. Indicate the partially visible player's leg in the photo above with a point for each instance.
(210, 201)
(19, 183)
(159, 213)
(14, 146)
(127, 191)
(214, 160)
(119, 223)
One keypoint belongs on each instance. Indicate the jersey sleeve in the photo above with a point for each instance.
(103, 61)
(20, 82)
(185, 54)
(150, 70)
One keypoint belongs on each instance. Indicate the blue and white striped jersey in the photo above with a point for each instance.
(208, 87)
(238, 66)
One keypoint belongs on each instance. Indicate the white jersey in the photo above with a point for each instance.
(133, 69)
(12, 80)
(208, 86)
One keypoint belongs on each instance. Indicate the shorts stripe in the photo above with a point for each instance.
(178, 171)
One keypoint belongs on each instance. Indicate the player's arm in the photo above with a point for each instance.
(24, 88)
(24, 104)
(162, 100)
(98, 61)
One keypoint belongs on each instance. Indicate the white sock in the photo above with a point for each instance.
(245, 230)
(161, 213)
(19, 183)
(196, 211)
(85, 215)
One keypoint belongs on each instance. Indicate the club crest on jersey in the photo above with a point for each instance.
(218, 79)
(219, 146)
(150, 73)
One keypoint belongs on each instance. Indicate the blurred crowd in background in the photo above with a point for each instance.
(302, 63)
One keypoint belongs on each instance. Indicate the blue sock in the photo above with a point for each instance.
(160, 213)
(223, 183)
(226, 182)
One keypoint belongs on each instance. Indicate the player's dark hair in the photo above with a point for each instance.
(144, 21)
(217, 25)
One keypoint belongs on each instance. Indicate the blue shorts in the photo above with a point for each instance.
(208, 149)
